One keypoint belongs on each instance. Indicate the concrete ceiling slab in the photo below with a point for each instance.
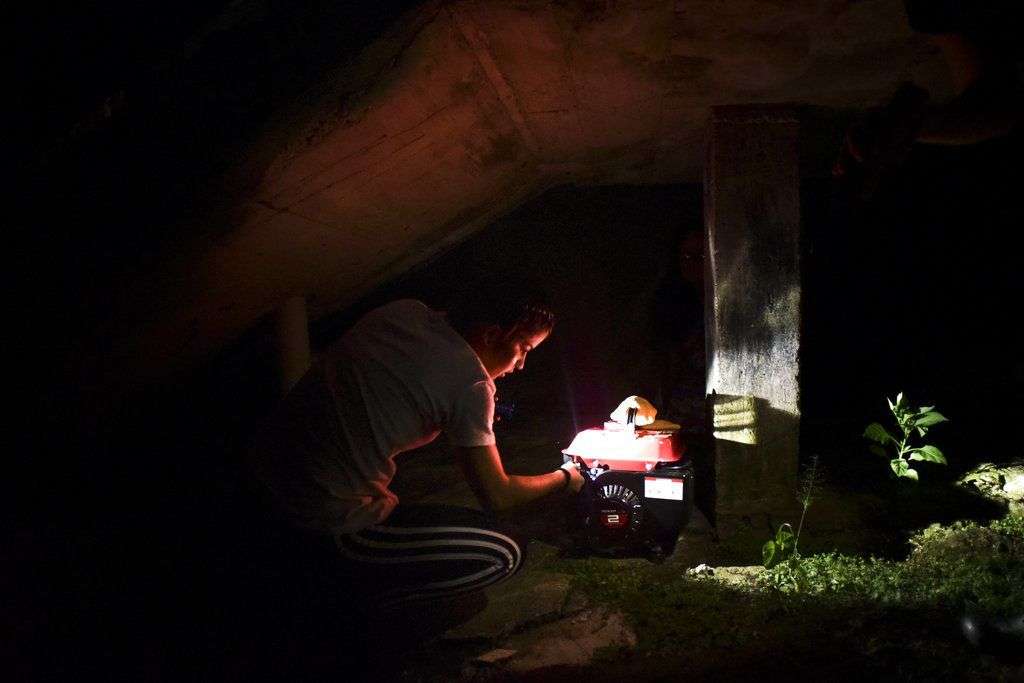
(467, 108)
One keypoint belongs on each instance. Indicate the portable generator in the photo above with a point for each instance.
(638, 493)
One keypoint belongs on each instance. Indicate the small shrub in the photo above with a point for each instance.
(786, 544)
(908, 421)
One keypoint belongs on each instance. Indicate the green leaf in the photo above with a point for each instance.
(768, 554)
(899, 466)
(899, 399)
(925, 409)
(877, 433)
(878, 450)
(929, 419)
(929, 453)
(910, 474)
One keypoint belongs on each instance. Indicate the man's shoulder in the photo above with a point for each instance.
(404, 308)
(410, 315)
(419, 326)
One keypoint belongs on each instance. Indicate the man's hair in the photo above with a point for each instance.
(509, 303)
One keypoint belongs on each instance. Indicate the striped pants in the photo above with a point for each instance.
(430, 551)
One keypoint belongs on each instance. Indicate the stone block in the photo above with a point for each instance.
(528, 598)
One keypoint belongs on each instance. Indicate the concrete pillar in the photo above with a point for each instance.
(752, 220)
(291, 335)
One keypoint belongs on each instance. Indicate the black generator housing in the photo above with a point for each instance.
(636, 510)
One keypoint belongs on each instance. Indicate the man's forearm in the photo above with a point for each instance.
(519, 489)
(500, 491)
(523, 489)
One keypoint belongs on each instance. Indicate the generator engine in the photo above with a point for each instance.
(638, 493)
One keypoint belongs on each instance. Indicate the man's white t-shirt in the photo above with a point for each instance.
(393, 382)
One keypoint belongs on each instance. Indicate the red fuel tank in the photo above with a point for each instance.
(624, 449)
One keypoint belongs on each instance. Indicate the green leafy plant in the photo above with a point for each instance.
(909, 421)
(777, 549)
(786, 544)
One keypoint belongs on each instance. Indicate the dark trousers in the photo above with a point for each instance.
(420, 552)
(430, 551)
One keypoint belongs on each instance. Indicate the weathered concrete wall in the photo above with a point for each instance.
(752, 216)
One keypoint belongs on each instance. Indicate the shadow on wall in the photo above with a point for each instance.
(744, 481)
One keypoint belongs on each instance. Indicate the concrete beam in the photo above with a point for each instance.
(478, 44)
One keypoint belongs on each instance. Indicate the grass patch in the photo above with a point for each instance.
(965, 565)
(830, 613)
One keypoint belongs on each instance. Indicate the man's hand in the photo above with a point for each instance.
(576, 479)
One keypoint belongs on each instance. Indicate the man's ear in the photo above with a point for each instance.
(491, 334)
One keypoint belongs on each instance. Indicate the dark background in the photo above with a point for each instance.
(909, 293)
(916, 290)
